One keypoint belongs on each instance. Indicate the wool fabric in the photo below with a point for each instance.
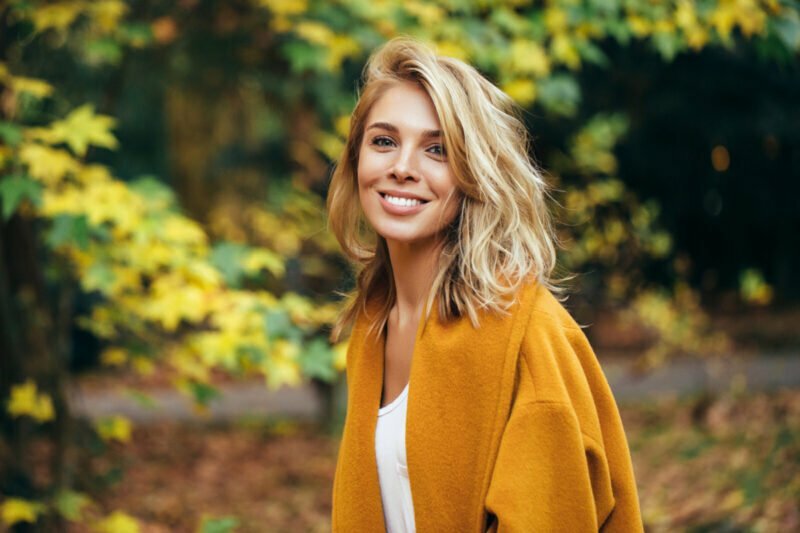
(511, 427)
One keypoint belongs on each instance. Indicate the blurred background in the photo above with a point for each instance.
(168, 284)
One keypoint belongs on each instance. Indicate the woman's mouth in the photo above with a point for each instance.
(401, 206)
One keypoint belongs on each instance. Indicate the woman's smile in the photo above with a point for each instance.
(397, 205)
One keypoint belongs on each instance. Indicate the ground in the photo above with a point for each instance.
(702, 464)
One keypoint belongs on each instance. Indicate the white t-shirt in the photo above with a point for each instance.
(390, 452)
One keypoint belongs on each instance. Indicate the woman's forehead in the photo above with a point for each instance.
(406, 106)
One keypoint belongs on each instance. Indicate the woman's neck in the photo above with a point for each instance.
(414, 269)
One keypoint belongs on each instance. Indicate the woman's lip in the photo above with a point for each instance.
(399, 209)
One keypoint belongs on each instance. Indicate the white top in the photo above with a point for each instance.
(390, 452)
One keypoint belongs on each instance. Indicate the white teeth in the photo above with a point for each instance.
(405, 202)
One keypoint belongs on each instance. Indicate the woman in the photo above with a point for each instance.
(475, 402)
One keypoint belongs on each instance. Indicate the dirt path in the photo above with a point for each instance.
(251, 398)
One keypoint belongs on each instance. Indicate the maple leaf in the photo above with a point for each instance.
(118, 522)
(81, 128)
(48, 165)
(15, 510)
(25, 400)
(114, 428)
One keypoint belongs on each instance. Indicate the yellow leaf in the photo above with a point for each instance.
(555, 20)
(723, 18)
(523, 91)
(287, 243)
(65, 201)
(81, 128)
(753, 288)
(342, 125)
(299, 307)
(733, 500)
(189, 367)
(47, 164)
(664, 26)
(93, 174)
(117, 522)
(114, 428)
(329, 144)
(113, 201)
(286, 7)
(340, 48)
(685, 14)
(279, 371)
(640, 26)
(143, 365)
(15, 510)
(589, 29)
(452, 49)
(114, 357)
(203, 274)
(528, 57)
(283, 349)
(106, 14)
(262, 258)
(340, 355)
(25, 400)
(314, 32)
(58, 16)
(37, 88)
(697, 37)
(427, 13)
(564, 51)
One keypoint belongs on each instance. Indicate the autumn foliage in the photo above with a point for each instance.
(195, 274)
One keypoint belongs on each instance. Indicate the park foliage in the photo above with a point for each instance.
(170, 290)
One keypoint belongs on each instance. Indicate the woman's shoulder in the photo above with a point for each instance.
(555, 351)
(546, 309)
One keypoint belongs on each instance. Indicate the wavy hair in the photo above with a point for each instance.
(503, 234)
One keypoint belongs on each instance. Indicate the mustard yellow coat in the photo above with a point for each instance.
(511, 427)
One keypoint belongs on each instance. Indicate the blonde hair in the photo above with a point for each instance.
(503, 234)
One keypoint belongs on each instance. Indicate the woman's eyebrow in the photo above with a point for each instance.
(391, 127)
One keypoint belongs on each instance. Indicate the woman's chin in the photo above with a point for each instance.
(406, 239)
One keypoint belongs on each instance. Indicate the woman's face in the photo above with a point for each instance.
(405, 185)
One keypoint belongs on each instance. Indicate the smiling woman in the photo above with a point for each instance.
(475, 402)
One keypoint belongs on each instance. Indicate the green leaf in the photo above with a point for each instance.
(99, 277)
(278, 323)
(154, 191)
(136, 33)
(592, 53)
(787, 27)
(103, 51)
(69, 229)
(223, 524)
(13, 189)
(317, 360)
(228, 257)
(304, 56)
(10, 133)
(70, 504)
(560, 94)
(203, 392)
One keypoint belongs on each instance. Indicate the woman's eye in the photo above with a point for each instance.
(379, 141)
(439, 149)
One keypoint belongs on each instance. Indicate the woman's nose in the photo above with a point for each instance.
(404, 167)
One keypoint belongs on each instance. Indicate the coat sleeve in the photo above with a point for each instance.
(563, 463)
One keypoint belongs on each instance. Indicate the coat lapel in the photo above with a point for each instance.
(462, 381)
